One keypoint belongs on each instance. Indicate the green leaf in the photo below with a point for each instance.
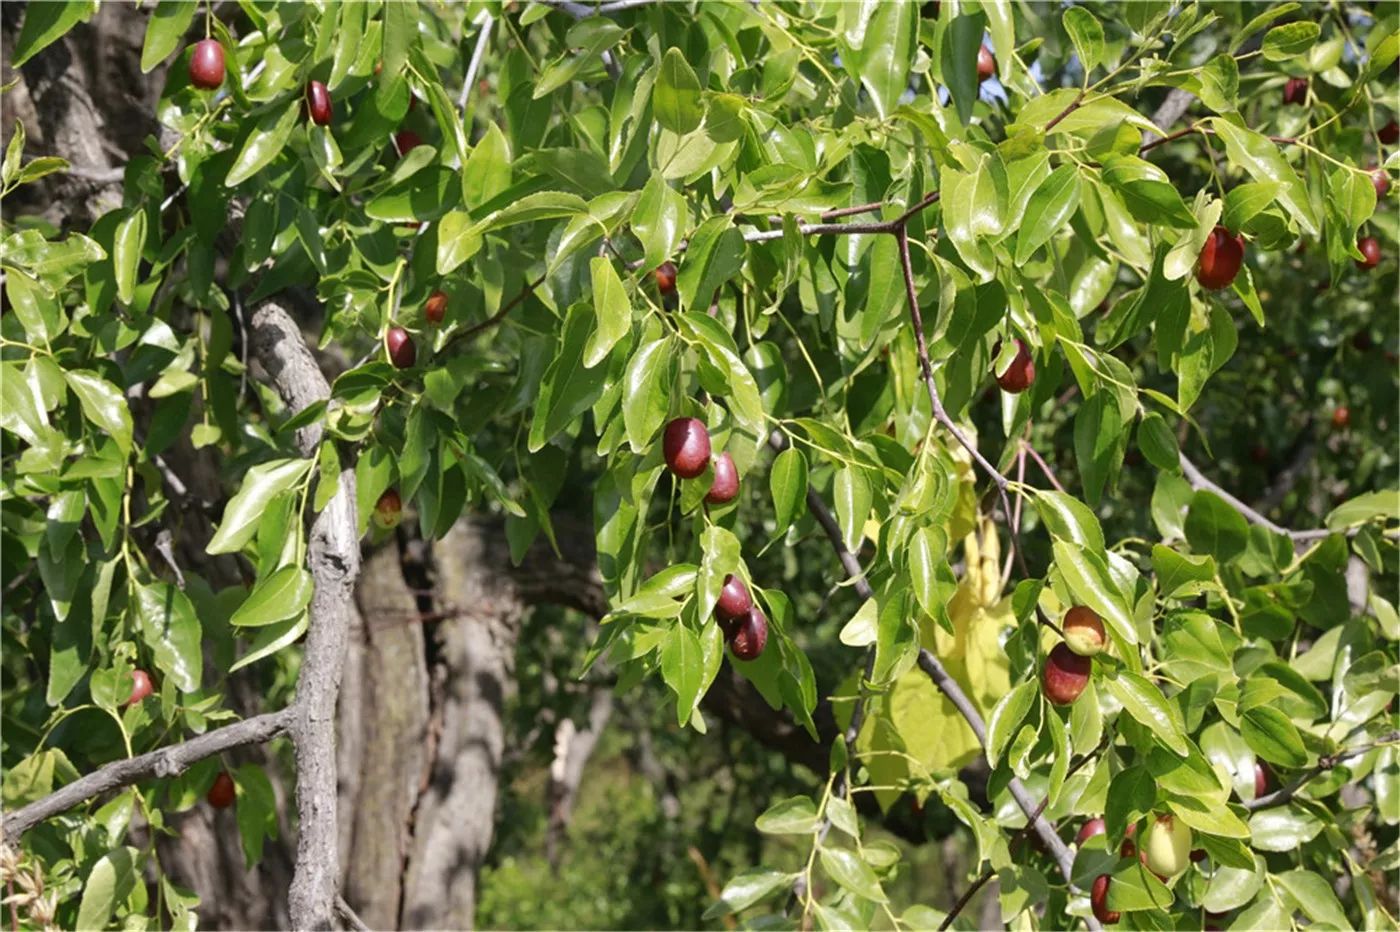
(272, 638)
(958, 60)
(1214, 527)
(848, 870)
(458, 241)
(715, 254)
(1086, 34)
(568, 388)
(1158, 443)
(1145, 702)
(1181, 576)
(788, 483)
(1246, 200)
(1099, 440)
(1264, 162)
(424, 195)
(126, 253)
(112, 877)
(928, 568)
(170, 628)
(1384, 504)
(1273, 737)
(45, 23)
(283, 594)
(659, 221)
(1006, 718)
(853, 498)
(896, 640)
(1290, 40)
(1049, 210)
(165, 31)
(681, 664)
(675, 99)
(646, 392)
(794, 816)
(1312, 893)
(718, 349)
(267, 141)
(1148, 193)
(103, 404)
(877, 48)
(487, 172)
(244, 511)
(613, 310)
(1069, 519)
(748, 888)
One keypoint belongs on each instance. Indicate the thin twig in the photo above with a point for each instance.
(1044, 467)
(348, 914)
(1324, 764)
(486, 22)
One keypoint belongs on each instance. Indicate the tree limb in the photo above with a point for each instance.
(163, 762)
(1324, 764)
(333, 558)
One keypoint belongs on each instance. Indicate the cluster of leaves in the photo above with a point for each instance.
(710, 134)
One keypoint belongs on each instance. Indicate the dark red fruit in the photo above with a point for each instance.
(1020, 374)
(399, 345)
(1380, 181)
(1261, 780)
(986, 64)
(751, 636)
(734, 603)
(686, 447)
(1098, 898)
(1220, 259)
(222, 793)
(318, 103)
(207, 64)
(1198, 855)
(1295, 91)
(406, 139)
(1370, 249)
(726, 484)
(435, 308)
(1094, 826)
(1389, 134)
(140, 686)
(1341, 417)
(1128, 848)
(665, 275)
(388, 511)
(1065, 674)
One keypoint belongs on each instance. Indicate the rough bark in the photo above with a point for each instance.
(392, 698)
(456, 814)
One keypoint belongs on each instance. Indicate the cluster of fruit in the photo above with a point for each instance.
(685, 447)
(1166, 849)
(207, 73)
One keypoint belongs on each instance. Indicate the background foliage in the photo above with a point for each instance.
(566, 153)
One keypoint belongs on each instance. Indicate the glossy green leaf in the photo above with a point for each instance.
(613, 310)
(787, 480)
(676, 95)
(646, 391)
(103, 404)
(244, 511)
(169, 626)
(108, 884)
(267, 141)
(165, 31)
(1145, 702)
(1049, 210)
(283, 594)
(569, 387)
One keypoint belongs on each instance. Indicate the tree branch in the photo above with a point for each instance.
(333, 558)
(1199, 480)
(163, 762)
